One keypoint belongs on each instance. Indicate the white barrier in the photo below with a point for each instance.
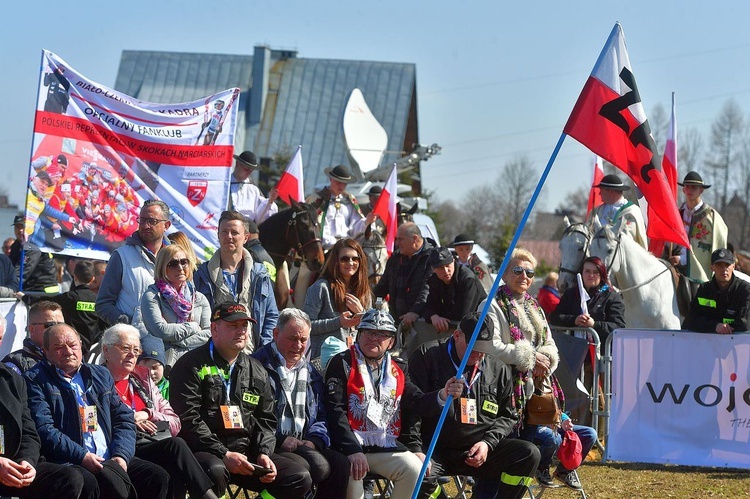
(15, 312)
(680, 397)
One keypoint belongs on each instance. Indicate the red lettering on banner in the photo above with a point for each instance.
(80, 129)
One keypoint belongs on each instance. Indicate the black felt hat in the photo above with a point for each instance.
(248, 159)
(340, 173)
(612, 182)
(462, 239)
(693, 178)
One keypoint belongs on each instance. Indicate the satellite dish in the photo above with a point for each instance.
(365, 138)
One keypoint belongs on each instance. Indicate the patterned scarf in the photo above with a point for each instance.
(360, 392)
(181, 302)
(528, 318)
(294, 385)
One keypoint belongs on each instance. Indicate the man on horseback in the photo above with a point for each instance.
(464, 246)
(705, 229)
(244, 195)
(616, 207)
(339, 212)
(721, 305)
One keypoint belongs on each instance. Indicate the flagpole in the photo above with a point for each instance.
(485, 310)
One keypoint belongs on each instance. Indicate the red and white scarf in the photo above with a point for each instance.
(360, 392)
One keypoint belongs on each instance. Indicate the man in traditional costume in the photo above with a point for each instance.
(616, 207)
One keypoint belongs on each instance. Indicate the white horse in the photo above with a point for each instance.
(373, 245)
(645, 281)
(574, 247)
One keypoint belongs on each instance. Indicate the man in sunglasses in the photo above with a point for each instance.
(42, 314)
(131, 267)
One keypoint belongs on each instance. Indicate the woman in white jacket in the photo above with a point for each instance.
(172, 309)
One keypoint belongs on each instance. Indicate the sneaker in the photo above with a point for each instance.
(569, 478)
(544, 478)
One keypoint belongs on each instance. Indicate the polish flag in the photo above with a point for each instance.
(595, 197)
(291, 185)
(669, 167)
(610, 120)
(385, 208)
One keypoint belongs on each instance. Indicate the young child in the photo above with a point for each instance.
(152, 356)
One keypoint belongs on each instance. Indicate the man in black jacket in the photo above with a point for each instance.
(42, 314)
(721, 305)
(39, 271)
(473, 440)
(226, 405)
(21, 475)
(405, 274)
(453, 291)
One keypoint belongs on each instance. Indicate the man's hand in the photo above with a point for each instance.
(359, 465)
(238, 463)
(12, 474)
(477, 454)
(409, 318)
(584, 320)
(453, 387)
(307, 443)
(722, 328)
(422, 457)
(674, 260)
(121, 462)
(290, 444)
(266, 462)
(440, 323)
(92, 462)
(273, 195)
(370, 218)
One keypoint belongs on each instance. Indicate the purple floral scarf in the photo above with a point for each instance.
(180, 305)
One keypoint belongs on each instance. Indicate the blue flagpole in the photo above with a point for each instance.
(490, 297)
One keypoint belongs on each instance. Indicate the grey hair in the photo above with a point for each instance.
(112, 334)
(292, 314)
(158, 202)
(410, 229)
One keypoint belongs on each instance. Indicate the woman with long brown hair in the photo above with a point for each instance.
(336, 301)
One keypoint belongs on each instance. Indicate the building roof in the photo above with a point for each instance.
(285, 101)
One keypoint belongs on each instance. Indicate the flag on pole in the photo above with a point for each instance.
(291, 185)
(584, 295)
(610, 120)
(595, 197)
(385, 208)
(669, 167)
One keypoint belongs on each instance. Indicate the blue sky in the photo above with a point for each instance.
(495, 80)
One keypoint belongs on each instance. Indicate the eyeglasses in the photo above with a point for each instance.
(46, 324)
(347, 259)
(182, 262)
(520, 270)
(149, 221)
(128, 350)
(381, 335)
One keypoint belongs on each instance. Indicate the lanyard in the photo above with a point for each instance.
(225, 378)
(474, 376)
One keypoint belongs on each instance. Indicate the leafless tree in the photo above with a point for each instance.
(576, 201)
(659, 122)
(689, 150)
(726, 139)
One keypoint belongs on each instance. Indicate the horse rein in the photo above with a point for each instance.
(609, 268)
(293, 223)
(580, 228)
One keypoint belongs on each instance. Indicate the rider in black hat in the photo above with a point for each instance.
(463, 245)
(244, 195)
(704, 227)
(615, 208)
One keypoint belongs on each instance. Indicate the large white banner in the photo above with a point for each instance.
(98, 154)
(681, 398)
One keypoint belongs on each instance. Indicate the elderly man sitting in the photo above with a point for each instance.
(301, 433)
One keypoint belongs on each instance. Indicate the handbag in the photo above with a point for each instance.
(162, 432)
(542, 408)
(570, 452)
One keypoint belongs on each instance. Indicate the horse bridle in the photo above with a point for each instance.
(608, 264)
(300, 246)
(581, 228)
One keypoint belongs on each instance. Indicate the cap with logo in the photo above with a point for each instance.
(722, 255)
(152, 348)
(231, 311)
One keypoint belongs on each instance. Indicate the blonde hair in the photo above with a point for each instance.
(165, 254)
(523, 255)
(180, 239)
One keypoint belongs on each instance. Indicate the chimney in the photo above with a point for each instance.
(261, 68)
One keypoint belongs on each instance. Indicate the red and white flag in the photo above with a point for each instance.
(610, 120)
(669, 167)
(291, 185)
(595, 197)
(385, 208)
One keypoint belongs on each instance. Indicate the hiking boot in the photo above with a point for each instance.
(569, 478)
(544, 478)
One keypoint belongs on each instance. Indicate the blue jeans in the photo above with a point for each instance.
(549, 440)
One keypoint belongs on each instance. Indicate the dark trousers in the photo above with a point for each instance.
(174, 455)
(328, 469)
(504, 474)
(292, 480)
(65, 482)
(143, 479)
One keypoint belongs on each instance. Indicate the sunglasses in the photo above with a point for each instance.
(520, 270)
(347, 259)
(182, 262)
(46, 324)
(381, 335)
(150, 222)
